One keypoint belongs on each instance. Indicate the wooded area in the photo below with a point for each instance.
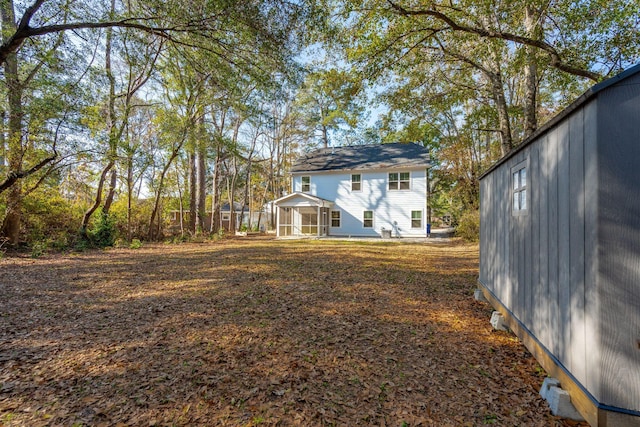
(115, 114)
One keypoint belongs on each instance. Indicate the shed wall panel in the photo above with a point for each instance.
(619, 237)
(570, 270)
(543, 325)
(577, 346)
(534, 300)
(552, 209)
(592, 307)
(564, 287)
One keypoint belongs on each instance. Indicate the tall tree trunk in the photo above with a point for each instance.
(13, 216)
(111, 155)
(201, 190)
(530, 74)
(215, 193)
(181, 204)
(111, 192)
(325, 136)
(87, 215)
(3, 142)
(192, 191)
(111, 118)
(153, 232)
(497, 89)
(129, 193)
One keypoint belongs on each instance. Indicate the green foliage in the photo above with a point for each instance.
(330, 102)
(135, 244)
(469, 226)
(38, 249)
(50, 219)
(104, 232)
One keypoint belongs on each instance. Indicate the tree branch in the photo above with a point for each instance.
(15, 176)
(555, 58)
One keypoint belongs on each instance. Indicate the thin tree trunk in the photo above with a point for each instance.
(497, 88)
(215, 204)
(181, 204)
(87, 215)
(156, 205)
(201, 190)
(192, 192)
(129, 194)
(13, 215)
(530, 75)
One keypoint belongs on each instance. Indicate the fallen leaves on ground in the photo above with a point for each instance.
(259, 332)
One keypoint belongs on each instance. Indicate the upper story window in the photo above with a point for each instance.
(356, 182)
(306, 184)
(519, 180)
(399, 180)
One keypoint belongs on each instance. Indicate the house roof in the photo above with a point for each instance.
(237, 207)
(579, 102)
(302, 199)
(374, 156)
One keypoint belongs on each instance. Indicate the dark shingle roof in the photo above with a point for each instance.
(375, 156)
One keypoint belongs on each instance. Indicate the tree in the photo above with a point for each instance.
(329, 101)
(243, 37)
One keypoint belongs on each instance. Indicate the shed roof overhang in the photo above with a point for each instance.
(302, 199)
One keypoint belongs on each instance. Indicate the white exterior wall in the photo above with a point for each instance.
(387, 206)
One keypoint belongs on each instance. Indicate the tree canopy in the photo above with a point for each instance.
(141, 119)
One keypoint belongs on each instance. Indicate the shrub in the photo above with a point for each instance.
(38, 249)
(135, 244)
(469, 226)
(103, 233)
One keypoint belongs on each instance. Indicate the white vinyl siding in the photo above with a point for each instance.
(387, 206)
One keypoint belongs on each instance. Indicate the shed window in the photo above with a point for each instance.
(367, 219)
(335, 218)
(306, 184)
(356, 182)
(519, 176)
(399, 181)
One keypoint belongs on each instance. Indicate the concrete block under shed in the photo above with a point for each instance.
(559, 400)
(498, 322)
(479, 296)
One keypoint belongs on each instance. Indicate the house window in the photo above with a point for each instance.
(335, 218)
(225, 217)
(356, 182)
(519, 176)
(367, 219)
(306, 184)
(399, 181)
(416, 219)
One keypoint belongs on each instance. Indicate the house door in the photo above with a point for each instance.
(309, 221)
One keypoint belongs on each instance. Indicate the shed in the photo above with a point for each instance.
(560, 248)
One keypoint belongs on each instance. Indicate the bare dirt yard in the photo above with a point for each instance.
(259, 332)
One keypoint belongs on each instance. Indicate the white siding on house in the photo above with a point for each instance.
(387, 206)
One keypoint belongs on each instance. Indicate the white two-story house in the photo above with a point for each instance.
(364, 190)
